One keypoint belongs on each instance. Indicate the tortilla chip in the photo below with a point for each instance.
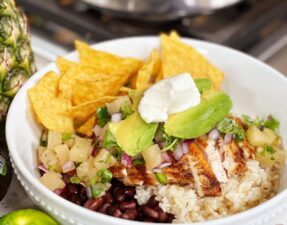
(87, 127)
(178, 57)
(149, 71)
(84, 111)
(50, 110)
(106, 62)
(64, 64)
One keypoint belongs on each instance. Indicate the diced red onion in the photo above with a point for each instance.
(178, 153)
(68, 166)
(184, 147)
(214, 134)
(43, 168)
(165, 157)
(97, 130)
(58, 191)
(165, 164)
(89, 192)
(126, 160)
(157, 170)
(228, 139)
(160, 145)
(116, 117)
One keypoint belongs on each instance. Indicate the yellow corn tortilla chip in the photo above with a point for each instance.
(178, 57)
(107, 62)
(84, 111)
(149, 71)
(50, 110)
(87, 127)
(64, 64)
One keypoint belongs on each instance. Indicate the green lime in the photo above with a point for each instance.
(27, 217)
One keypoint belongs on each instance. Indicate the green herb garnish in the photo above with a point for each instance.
(66, 136)
(267, 149)
(229, 126)
(170, 142)
(103, 176)
(103, 116)
(110, 140)
(75, 180)
(137, 162)
(161, 178)
(98, 189)
(270, 122)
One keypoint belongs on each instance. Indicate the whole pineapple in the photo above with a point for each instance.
(16, 57)
(16, 66)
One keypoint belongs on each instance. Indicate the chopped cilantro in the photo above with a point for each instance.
(103, 116)
(137, 162)
(126, 109)
(170, 142)
(75, 180)
(109, 140)
(270, 122)
(267, 150)
(98, 189)
(104, 176)
(229, 126)
(66, 136)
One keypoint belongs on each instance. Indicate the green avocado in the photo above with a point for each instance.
(27, 217)
(199, 120)
(132, 134)
(203, 84)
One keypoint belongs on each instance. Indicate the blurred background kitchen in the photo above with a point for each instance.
(257, 27)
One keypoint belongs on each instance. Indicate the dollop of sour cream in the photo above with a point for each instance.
(168, 96)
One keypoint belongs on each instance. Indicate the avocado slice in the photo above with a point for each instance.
(27, 217)
(203, 84)
(199, 120)
(133, 134)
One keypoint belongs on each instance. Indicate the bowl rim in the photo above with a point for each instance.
(66, 205)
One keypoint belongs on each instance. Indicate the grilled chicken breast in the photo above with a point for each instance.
(207, 164)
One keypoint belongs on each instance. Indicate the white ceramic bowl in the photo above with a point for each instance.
(255, 88)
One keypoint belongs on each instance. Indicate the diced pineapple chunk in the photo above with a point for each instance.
(115, 106)
(259, 138)
(50, 161)
(81, 150)
(41, 150)
(265, 160)
(152, 157)
(70, 142)
(86, 170)
(280, 156)
(104, 160)
(54, 139)
(52, 180)
(62, 152)
(270, 136)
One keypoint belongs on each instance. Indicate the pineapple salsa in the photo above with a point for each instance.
(119, 133)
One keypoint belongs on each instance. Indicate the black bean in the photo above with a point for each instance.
(75, 199)
(150, 212)
(152, 202)
(119, 195)
(131, 204)
(66, 178)
(130, 191)
(162, 216)
(72, 189)
(130, 214)
(83, 194)
(170, 218)
(108, 197)
(115, 211)
(93, 204)
(104, 208)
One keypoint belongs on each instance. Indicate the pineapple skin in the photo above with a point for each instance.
(16, 56)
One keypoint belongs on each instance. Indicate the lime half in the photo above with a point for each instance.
(27, 217)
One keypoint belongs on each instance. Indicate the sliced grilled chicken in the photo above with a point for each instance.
(213, 157)
(205, 180)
